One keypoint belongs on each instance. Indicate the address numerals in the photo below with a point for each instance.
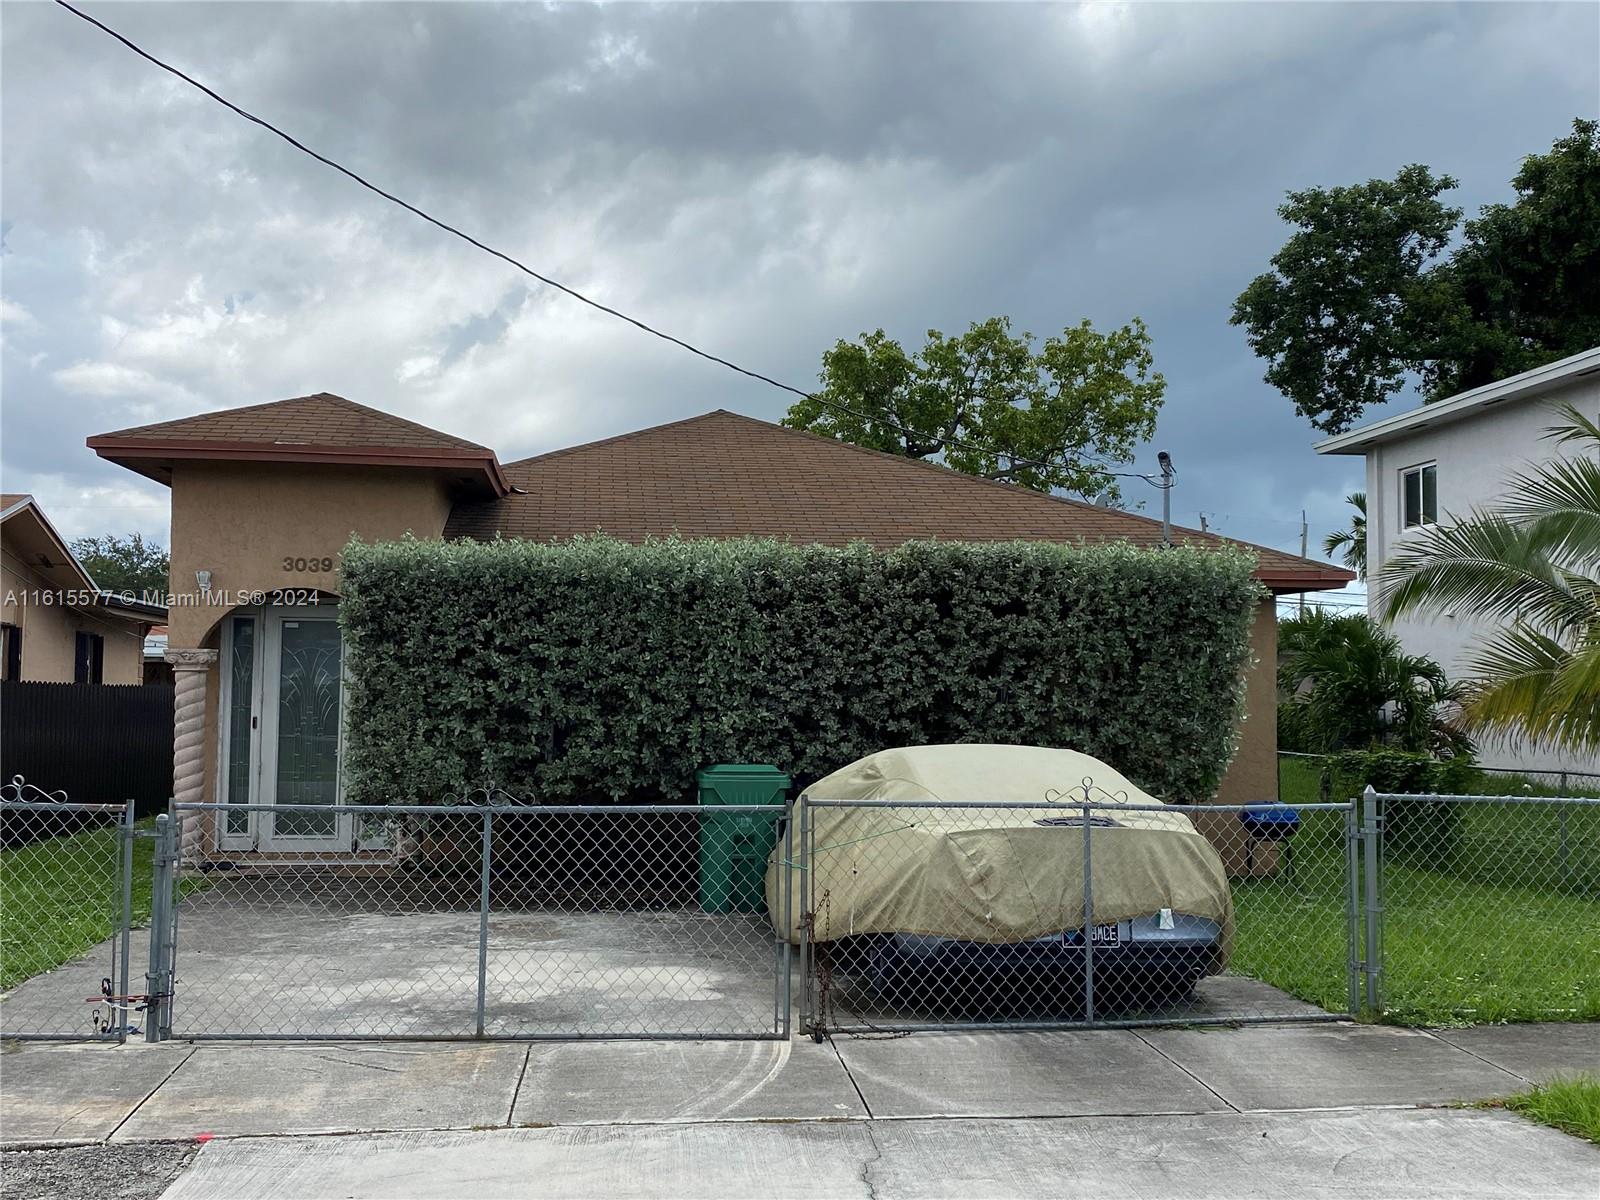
(314, 566)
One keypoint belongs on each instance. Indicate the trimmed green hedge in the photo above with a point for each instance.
(596, 670)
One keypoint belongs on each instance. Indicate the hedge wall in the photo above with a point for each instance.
(596, 670)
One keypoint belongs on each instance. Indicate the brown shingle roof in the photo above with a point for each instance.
(726, 475)
(307, 429)
(320, 420)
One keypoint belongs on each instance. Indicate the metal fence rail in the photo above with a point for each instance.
(1490, 907)
(468, 921)
(66, 874)
(1074, 914)
(1553, 782)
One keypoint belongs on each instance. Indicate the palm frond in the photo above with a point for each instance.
(1574, 427)
(1485, 566)
(1531, 688)
(1559, 503)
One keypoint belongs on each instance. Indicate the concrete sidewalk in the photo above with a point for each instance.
(1106, 1107)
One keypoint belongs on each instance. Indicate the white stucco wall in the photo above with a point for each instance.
(1476, 455)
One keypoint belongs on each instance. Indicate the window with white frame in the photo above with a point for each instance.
(1419, 496)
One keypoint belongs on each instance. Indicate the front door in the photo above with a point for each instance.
(283, 705)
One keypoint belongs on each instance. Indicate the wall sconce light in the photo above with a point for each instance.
(203, 580)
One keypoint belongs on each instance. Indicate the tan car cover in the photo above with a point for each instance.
(991, 874)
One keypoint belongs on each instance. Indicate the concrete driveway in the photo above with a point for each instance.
(1332, 1110)
(324, 957)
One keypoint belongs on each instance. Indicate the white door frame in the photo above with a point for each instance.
(266, 676)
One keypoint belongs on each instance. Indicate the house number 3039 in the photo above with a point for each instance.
(290, 563)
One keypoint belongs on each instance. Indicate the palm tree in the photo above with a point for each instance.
(1351, 544)
(1533, 564)
(1351, 685)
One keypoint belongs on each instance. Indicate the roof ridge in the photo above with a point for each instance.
(325, 400)
(392, 418)
(629, 436)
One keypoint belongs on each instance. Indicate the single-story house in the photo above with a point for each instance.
(56, 625)
(265, 497)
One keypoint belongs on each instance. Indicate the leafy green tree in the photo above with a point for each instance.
(1347, 684)
(1532, 565)
(1334, 318)
(1524, 287)
(993, 404)
(1364, 294)
(1351, 544)
(124, 564)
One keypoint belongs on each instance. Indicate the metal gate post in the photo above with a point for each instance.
(1372, 831)
(157, 983)
(807, 901)
(1352, 909)
(483, 916)
(1088, 917)
(787, 966)
(125, 869)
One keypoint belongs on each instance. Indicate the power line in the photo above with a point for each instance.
(908, 432)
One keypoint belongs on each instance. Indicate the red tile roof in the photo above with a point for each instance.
(726, 475)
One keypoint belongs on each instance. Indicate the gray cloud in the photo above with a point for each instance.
(761, 178)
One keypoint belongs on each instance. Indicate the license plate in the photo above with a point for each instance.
(1100, 935)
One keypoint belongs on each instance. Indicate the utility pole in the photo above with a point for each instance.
(1167, 476)
(1304, 533)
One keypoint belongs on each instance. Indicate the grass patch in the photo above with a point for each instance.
(1570, 1103)
(60, 897)
(1508, 930)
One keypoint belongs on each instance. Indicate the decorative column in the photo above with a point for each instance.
(189, 671)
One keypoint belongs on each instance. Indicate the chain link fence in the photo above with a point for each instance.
(466, 921)
(1490, 908)
(66, 882)
(517, 921)
(942, 915)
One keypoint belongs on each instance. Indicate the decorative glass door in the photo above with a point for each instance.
(283, 696)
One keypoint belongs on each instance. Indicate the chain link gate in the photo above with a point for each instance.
(66, 899)
(446, 922)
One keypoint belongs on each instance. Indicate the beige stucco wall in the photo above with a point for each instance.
(1253, 774)
(240, 521)
(49, 631)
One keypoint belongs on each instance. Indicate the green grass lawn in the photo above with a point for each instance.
(59, 897)
(1509, 930)
(1569, 1103)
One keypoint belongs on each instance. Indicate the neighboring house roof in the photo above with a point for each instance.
(1464, 405)
(321, 428)
(31, 537)
(726, 475)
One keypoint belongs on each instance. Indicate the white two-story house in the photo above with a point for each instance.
(1450, 457)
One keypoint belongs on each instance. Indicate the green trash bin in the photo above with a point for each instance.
(734, 846)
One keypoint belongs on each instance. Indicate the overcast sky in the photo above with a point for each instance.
(759, 179)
